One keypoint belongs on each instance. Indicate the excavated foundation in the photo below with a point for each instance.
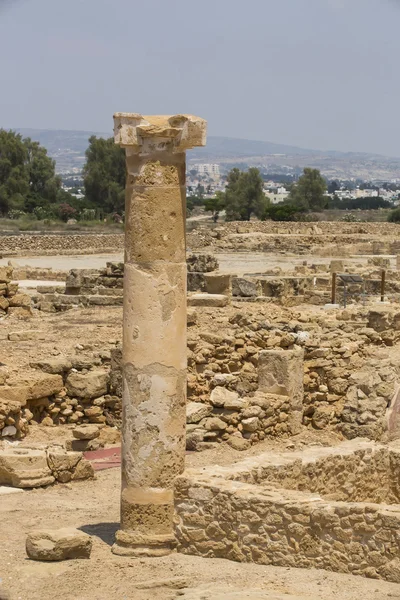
(329, 508)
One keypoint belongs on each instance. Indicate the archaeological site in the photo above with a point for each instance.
(211, 414)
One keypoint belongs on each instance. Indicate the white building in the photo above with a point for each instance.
(206, 169)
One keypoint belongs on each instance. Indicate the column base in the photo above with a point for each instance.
(138, 545)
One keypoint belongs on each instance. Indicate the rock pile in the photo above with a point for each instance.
(68, 390)
(12, 302)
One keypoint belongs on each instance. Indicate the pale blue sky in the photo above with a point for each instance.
(313, 73)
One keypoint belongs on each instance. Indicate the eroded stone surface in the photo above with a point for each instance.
(154, 326)
(59, 544)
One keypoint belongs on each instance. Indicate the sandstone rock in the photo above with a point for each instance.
(251, 424)
(86, 432)
(196, 411)
(221, 397)
(322, 416)
(61, 544)
(55, 366)
(4, 303)
(210, 300)
(5, 274)
(214, 423)
(47, 422)
(238, 443)
(24, 468)
(67, 465)
(9, 431)
(191, 316)
(88, 385)
(20, 300)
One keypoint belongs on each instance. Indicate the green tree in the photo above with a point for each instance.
(104, 175)
(215, 205)
(394, 216)
(244, 195)
(27, 174)
(309, 192)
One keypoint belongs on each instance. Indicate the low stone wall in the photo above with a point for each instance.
(219, 516)
(42, 244)
(61, 391)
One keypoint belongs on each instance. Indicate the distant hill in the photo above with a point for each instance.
(68, 150)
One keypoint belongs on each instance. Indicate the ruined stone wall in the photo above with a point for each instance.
(347, 387)
(11, 302)
(58, 391)
(243, 513)
(246, 523)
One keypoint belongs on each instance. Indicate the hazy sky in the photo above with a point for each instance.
(313, 73)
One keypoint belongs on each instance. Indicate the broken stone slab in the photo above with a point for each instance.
(24, 468)
(87, 385)
(61, 544)
(86, 432)
(210, 300)
(37, 386)
(196, 411)
(54, 366)
(68, 466)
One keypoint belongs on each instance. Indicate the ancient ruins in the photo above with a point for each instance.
(244, 377)
(154, 326)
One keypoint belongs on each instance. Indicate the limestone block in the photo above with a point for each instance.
(224, 398)
(251, 424)
(61, 544)
(245, 287)
(5, 274)
(86, 432)
(45, 385)
(24, 468)
(281, 372)
(210, 300)
(20, 300)
(217, 283)
(87, 385)
(196, 411)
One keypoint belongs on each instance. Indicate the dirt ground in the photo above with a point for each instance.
(93, 506)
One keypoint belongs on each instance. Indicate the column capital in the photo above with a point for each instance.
(146, 134)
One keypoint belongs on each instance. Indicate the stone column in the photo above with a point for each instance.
(154, 326)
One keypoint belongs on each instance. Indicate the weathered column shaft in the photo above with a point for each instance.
(154, 337)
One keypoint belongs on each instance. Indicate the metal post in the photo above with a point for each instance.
(345, 295)
(333, 295)
(383, 282)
